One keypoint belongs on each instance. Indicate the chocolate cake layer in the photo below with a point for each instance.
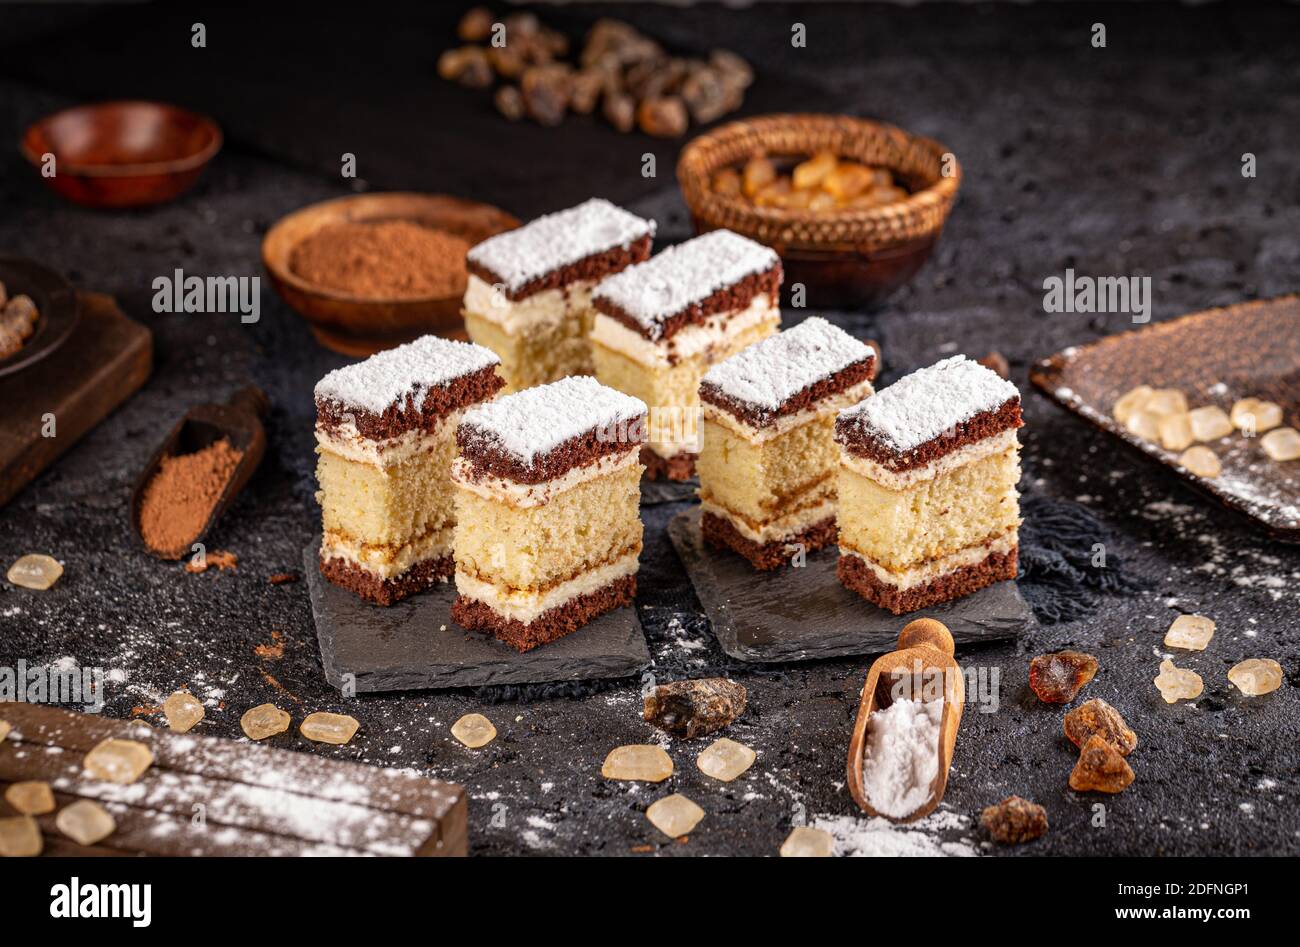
(407, 415)
(592, 269)
(975, 428)
(550, 625)
(372, 588)
(727, 299)
(757, 416)
(678, 467)
(856, 575)
(721, 534)
(486, 458)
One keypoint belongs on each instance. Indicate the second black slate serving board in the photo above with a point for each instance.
(415, 644)
(802, 614)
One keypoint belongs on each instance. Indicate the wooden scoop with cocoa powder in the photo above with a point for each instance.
(196, 473)
(924, 666)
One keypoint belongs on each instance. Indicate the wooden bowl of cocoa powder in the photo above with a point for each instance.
(375, 270)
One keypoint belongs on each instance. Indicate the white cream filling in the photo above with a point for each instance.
(347, 442)
(514, 316)
(691, 340)
(937, 568)
(779, 528)
(903, 480)
(832, 404)
(387, 561)
(517, 494)
(524, 605)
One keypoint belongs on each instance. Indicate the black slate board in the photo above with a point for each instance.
(402, 647)
(805, 614)
(654, 492)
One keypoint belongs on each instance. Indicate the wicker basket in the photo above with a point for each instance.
(918, 162)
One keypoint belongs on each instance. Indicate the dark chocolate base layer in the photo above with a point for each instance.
(372, 588)
(677, 467)
(856, 575)
(550, 625)
(722, 534)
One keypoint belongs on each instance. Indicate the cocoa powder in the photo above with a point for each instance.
(392, 259)
(180, 497)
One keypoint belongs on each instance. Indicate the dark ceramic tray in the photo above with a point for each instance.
(802, 614)
(1213, 357)
(415, 644)
(58, 310)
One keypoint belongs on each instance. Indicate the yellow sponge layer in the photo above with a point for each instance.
(903, 528)
(758, 481)
(388, 505)
(543, 353)
(535, 547)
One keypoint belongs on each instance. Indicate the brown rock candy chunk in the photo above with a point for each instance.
(183, 710)
(323, 727)
(264, 720)
(30, 797)
(694, 708)
(638, 761)
(85, 822)
(1099, 718)
(1014, 821)
(807, 842)
(1101, 768)
(674, 815)
(1057, 678)
(474, 730)
(118, 761)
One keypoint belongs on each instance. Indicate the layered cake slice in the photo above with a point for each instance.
(661, 324)
(548, 485)
(529, 292)
(768, 458)
(928, 508)
(386, 437)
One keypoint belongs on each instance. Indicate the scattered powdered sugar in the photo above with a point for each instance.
(771, 372)
(537, 420)
(683, 275)
(410, 369)
(556, 240)
(880, 838)
(930, 401)
(901, 758)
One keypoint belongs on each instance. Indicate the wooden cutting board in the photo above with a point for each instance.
(106, 360)
(206, 796)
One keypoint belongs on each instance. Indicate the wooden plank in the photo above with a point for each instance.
(106, 360)
(255, 799)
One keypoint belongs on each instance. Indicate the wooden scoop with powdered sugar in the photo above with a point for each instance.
(922, 669)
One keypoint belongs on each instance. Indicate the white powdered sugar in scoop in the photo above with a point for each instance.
(410, 369)
(535, 421)
(930, 402)
(683, 275)
(555, 240)
(771, 372)
(901, 758)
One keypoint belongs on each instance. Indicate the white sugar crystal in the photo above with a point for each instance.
(771, 372)
(1166, 401)
(1252, 416)
(807, 842)
(1175, 432)
(930, 402)
(1131, 401)
(85, 822)
(538, 420)
(674, 815)
(1201, 461)
(1190, 633)
(684, 275)
(411, 369)
(556, 240)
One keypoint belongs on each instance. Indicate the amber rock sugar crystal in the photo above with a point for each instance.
(807, 842)
(1255, 677)
(20, 837)
(85, 822)
(674, 815)
(1190, 633)
(642, 762)
(30, 797)
(1057, 678)
(264, 720)
(183, 711)
(1101, 768)
(322, 727)
(474, 731)
(1014, 821)
(1175, 683)
(725, 759)
(118, 761)
(1098, 718)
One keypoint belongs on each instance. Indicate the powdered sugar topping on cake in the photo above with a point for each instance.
(929, 402)
(683, 275)
(536, 421)
(411, 369)
(771, 372)
(519, 256)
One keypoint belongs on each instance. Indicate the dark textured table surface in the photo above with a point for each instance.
(1117, 161)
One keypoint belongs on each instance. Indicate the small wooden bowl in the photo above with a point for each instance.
(927, 644)
(848, 257)
(122, 154)
(358, 325)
